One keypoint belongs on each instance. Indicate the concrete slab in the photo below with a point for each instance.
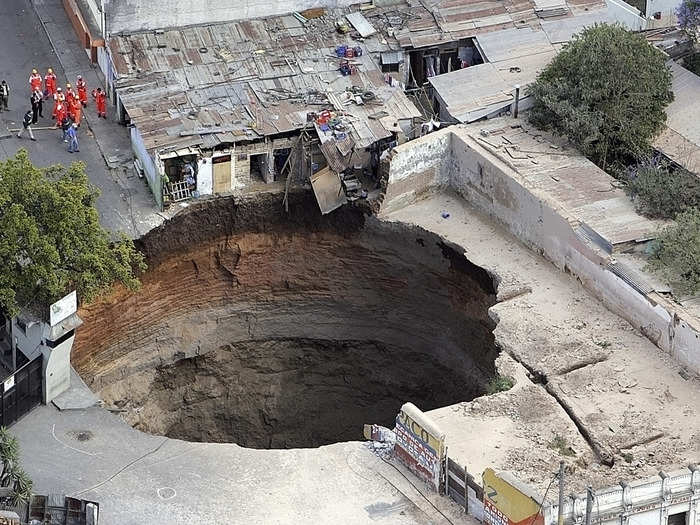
(78, 396)
(628, 397)
(139, 478)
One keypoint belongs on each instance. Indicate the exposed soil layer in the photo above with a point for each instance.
(271, 329)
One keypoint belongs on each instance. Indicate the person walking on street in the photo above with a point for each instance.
(101, 100)
(66, 124)
(81, 86)
(4, 95)
(35, 80)
(50, 83)
(27, 124)
(37, 100)
(73, 139)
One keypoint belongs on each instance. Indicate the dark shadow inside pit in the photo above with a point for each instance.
(278, 331)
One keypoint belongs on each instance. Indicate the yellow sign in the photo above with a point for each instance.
(506, 505)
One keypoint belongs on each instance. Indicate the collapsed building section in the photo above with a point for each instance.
(276, 330)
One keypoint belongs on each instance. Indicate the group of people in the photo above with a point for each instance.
(68, 105)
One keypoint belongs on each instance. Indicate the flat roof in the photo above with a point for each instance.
(564, 178)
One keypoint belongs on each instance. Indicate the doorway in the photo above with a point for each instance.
(258, 167)
(221, 173)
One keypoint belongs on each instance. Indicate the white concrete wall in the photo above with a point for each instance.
(136, 15)
(453, 159)
(57, 369)
(621, 11)
(205, 176)
(93, 11)
(149, 167)
(419, 168)
(667, 9)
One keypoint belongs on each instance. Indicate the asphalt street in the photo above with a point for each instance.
(125, 203)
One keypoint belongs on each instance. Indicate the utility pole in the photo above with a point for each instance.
(589, 504)
(560, 515)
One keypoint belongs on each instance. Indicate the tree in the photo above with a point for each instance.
(12, 476)
(606, 91)
(688, 13)
(661, 192)
(676, 254)
(51, 241)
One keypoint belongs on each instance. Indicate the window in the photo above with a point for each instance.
(678, 519)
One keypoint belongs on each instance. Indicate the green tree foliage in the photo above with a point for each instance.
(51, 240)
(12, 475)
(676, 255)
(662, 193)
(606, 92)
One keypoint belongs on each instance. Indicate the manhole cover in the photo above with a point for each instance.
(81, 435)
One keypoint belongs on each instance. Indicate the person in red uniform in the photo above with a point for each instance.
(50, 83)
(58, 98)
(60, 113)
(75, 111)
(81, 86)
(101, 100)
(35, 81)
(70, 94)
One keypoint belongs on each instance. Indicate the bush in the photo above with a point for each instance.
(499, 383)
(606, 92)
(676, 253)
(661, 193)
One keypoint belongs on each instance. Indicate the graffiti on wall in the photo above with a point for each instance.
(505, 504)
(420, 445)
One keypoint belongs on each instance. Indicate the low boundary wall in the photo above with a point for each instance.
(446, 159)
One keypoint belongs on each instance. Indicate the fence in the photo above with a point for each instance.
(461, 487)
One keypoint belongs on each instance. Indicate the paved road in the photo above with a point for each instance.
(126, 203)
(139, 478)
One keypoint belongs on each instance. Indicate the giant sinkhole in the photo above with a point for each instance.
(281, 330)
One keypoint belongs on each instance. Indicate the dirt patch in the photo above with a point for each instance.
(276, 330)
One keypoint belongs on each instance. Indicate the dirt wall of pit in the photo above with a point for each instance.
(243, 286)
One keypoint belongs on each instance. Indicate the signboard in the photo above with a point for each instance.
(504, 504)
(63, 308)
(419, 444)
(8, 384)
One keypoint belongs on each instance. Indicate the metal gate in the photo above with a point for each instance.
(21, 392)
(58, 509)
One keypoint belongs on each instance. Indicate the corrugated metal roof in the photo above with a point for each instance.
(252, 78)
(474, 92)
(513, 43)
(564, 29)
